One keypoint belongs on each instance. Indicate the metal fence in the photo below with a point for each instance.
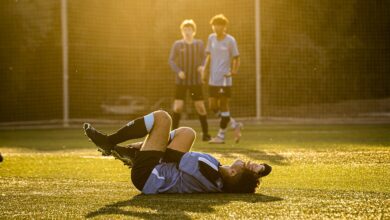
(68, 60)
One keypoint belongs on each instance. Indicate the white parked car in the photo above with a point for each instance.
(126, 105)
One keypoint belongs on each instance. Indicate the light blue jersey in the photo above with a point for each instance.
(196, 173)
(221, 53)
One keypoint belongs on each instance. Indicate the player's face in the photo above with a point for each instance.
(219, 29)
(188, 32)
(254, 167)
(239, 165)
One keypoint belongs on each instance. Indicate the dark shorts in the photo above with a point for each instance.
(145, 161)
(196, 92)
(220, 91)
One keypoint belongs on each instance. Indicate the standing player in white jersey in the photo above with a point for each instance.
(222, 63)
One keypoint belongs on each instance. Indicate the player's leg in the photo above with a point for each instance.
(182, 140)
(152, 150)
(224, 106)
(224, 121)
(226, 118)
(213, 99)
(158, 137)
(178, 104)
(200, 107)
(225, 111)
(128, 153)
(213, 105)
(202, 114)
(197, 96)
(220, 94)
(137, 128)
(177, 110)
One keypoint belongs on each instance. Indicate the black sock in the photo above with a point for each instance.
(224, 121)
(134, 129)
(175, 120)
(203, 123)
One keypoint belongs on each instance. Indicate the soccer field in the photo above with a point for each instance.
(319, 172)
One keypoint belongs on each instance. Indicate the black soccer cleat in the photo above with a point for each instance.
(125, 154)
(206, 137)
(99, 139)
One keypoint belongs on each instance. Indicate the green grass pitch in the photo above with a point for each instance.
(320, 172)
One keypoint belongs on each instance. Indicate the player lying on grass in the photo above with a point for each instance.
(163, 163)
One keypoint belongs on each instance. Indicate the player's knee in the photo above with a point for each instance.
(178, 109)
(200, 109)
(187, 132)
(162, 116)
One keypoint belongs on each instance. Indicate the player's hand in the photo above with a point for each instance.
(227, 75)
(204, 77)
(201, 69)
(230, 74)
(182, 75)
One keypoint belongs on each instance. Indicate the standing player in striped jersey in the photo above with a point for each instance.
(222, 62)
(186, 60)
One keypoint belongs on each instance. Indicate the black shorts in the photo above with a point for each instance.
(145, 161)
(196, 92)
(220, 91)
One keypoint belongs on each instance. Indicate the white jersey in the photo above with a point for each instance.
(221, 53)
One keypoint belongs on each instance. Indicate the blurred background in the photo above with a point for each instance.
(66, 61)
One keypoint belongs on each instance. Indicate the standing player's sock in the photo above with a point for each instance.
(221, 133)
(204, 124)
(137, 128)
(175, 120)
(225, 118)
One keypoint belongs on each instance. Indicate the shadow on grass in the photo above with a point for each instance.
(259, 155)
(175, 205)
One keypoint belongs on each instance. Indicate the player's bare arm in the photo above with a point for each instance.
(206, 72)
(182, 75)
(234, 67)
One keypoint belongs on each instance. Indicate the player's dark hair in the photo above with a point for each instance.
(219, 19)
(245, 182)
